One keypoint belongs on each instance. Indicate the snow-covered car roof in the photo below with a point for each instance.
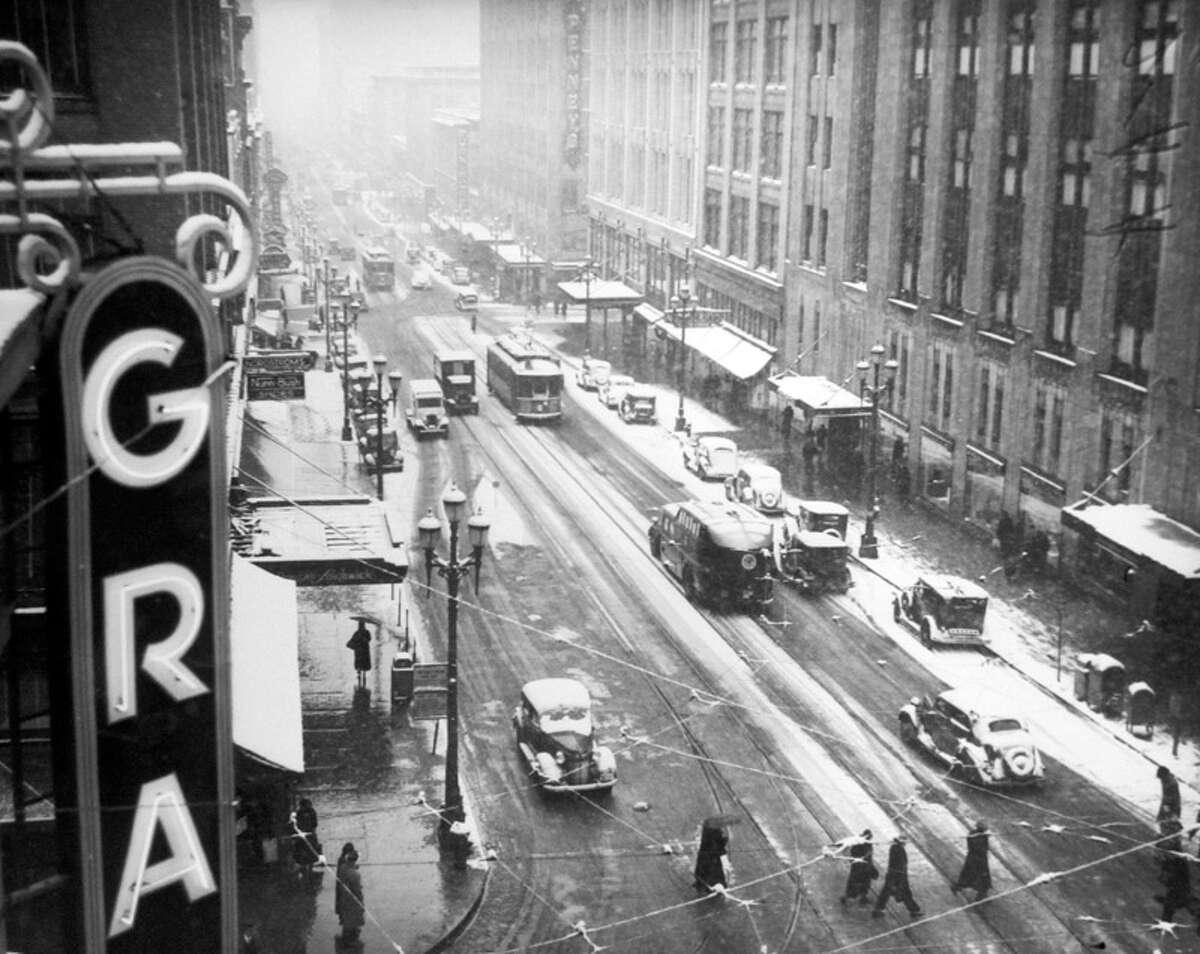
(984, 704)
(557, 692)
(819, 506)
(765, 471)
(713, 442)
(951, 587)
(620, 380)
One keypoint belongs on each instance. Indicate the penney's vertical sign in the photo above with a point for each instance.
(573, 26)
(149, 611)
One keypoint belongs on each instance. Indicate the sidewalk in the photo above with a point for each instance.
(371, 772)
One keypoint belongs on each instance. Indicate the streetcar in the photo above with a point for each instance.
(526, 377)
(379, 268)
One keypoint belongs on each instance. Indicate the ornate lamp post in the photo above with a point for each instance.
(587, 304)
(679, 306)
(452, 570)
(350, 308)
(327, 317)
(874, 389)
(380, 363)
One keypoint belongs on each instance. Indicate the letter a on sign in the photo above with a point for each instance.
(160, 805)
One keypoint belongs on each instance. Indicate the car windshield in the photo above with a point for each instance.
(965, 613)
(565, 719)
(1005, 725)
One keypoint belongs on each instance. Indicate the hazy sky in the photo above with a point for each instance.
(312, 53)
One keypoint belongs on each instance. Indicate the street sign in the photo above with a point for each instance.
(275, 387)
(427, 705)
(277, 362)
(430, 676)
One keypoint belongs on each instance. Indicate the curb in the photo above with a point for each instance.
(443, 943)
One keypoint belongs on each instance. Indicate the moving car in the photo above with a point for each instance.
(556, 737)
(943, 609)
(426, 410)
(613, 388)
(710, 457)
(759, 486)
(460, 275)
(466, 301)
(638, 406)
(591, 372)
(976, 735)
(812, 561)
(421, 279)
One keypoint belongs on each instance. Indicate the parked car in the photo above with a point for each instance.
(556, 737)
(466, 301)
(421, 279)
(638, 405)
(812, 561)
(613, 388)
(943, 609)
(460, 275)
(591, 372)
(976, 735)
(759, 486)
(359, 300)
(710, 457)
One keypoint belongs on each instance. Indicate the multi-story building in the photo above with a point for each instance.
(531, 131)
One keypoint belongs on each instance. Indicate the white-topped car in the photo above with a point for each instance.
(943, 609)
(556, 738)
(592, 372)
(757, 485)
(613, 388)
(710, 457)
(976, 735)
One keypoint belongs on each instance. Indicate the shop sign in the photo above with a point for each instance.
(573, 134)
(148, 607)
(274, 259)
(276, 362)
(274, 387)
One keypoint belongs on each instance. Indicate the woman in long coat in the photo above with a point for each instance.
(710, 866)
(348, 902)
(862, 869)
(976, 873)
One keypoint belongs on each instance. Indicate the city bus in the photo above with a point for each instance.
(526, 377)
(379, 269)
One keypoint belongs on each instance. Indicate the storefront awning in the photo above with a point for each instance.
(517, 255)
(600, 292)
(1142, 531)
(724, 345)
(818, 396)
(648, 313)
(265, 667)
(20, 337)
(329, 541)
(270, 323)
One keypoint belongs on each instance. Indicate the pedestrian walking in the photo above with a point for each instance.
(348, 902)
(1174, 870)
(976, 873)
(1170, 805)
(360, 644)
(710, 857)
(306, 850)
(895, 881)
(785, 423)
(862, 869)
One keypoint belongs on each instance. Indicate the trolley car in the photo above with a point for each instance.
(526, 377)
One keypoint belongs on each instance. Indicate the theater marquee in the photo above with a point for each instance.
(149, 643)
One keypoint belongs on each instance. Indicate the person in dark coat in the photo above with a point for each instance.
(862, 869)
(895, 881)
(976, 873)
(348, 902)
(305, 847)
(785, 423)
(1170, 806)
(360, 643)
(710, 858)
(1174, 870)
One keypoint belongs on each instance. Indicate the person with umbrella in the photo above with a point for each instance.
(360, 645)
(976, 873)
(714, 847)
(895, 881)
(862, 869)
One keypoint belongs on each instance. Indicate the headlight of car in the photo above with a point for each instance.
(559, 757)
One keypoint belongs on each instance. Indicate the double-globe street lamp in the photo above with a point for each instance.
(679, 306)
(379, 361)
(350, 309)
(429, 528)
(327, 315)
(870, 386)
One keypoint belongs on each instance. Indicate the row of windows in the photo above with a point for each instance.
(746, 63)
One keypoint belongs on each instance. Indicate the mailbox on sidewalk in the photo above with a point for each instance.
(1100, 682)
(1140, 710)
(403, 664)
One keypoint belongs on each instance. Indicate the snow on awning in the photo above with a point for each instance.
(819, 396)
(265, 666)
(648, 313)
(1140, 530)
(724, 345)
(20, 337)
(329, 541)
(516, 254)
(600, 291)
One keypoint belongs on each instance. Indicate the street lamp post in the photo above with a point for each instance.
(348, 309)
(679, 310)
(327, 318)
(452, 570)
(875, 389)
(587, 305)
(380, 363)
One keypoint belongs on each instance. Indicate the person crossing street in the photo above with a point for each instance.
(976, 873)
(895, 881)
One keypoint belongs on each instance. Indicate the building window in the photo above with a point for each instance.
(832, 58)
(776, 50)
(771, 154)
(941, 386)
(743, 143)
(1118, 436)
(922, 30)
(898, 345)
(968, 38)
(56, 32)
(827, 150)
(822, 236)
(813, 130)
(1075, 172)
(806, 234)
(712, 218)
(1158, 37)
(1083, 41)
(745, 50)
(961, 163)
(1048, 404)
(716, 135)
(768, 236)
(1020, 39)
(739, 227)
(718, 43)
(814, 50)
(989, 414)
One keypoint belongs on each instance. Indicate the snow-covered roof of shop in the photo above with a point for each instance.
(1142, 530)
